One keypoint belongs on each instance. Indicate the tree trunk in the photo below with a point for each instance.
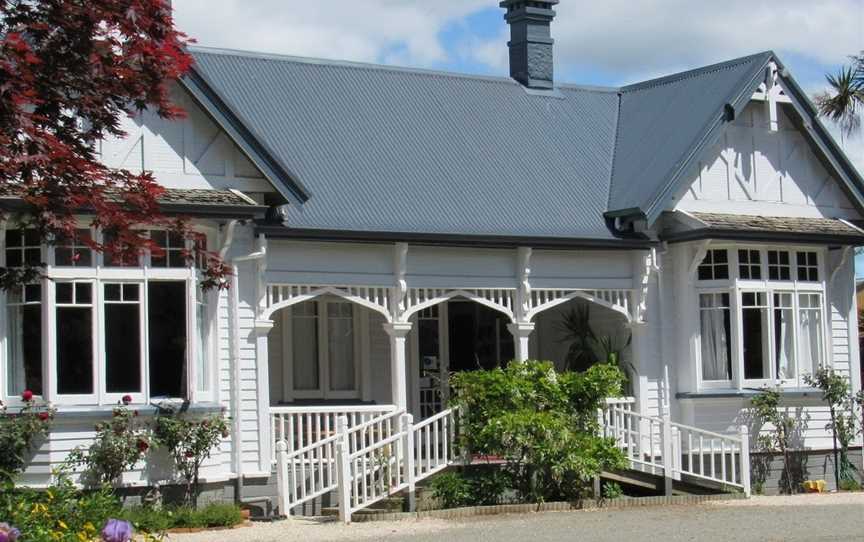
(836, 454)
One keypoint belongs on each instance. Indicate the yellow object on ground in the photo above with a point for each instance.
(815, 486)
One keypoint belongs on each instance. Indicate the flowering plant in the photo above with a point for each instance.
(8, 533)
(117, 530)
(19, 432)
(120, 443)
(190, 442)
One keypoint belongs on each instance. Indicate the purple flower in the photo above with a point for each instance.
(116, 530)
(8, 533)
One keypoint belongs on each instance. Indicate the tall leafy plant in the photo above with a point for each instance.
(586, 347)
(190, 441)
(767, 409)
(843, 424)
(543, 423)
(120, 444)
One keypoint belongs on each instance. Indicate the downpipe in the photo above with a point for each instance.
(234, 351)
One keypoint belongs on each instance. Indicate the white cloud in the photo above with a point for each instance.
(645, 37)
(366, 30)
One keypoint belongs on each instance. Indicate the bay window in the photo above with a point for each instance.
(764, 323)
(96, 328)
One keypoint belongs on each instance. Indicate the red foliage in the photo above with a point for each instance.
(70, 70)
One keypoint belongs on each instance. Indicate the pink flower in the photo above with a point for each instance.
(44, 416)
(27, 395)
(127, 399)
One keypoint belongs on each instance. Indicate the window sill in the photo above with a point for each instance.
(105, 411)
(747, 393)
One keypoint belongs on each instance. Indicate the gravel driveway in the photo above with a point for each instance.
(805, 517)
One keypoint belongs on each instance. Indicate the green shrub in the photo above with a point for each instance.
(850, 484)
(452, 489)
(150, 519)
(612, 490)
(542, 423)
(61, 513)
(220, 515)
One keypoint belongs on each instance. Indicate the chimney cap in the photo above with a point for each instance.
(531, 41)
(513, 5)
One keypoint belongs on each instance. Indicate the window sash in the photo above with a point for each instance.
(118, 296)
(782, 311)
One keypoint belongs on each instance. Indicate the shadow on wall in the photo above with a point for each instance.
(767, 462)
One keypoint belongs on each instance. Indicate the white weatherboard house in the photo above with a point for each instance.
(389, 226)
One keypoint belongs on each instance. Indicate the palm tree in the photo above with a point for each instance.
(845, 99)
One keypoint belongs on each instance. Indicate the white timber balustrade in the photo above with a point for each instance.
(362, 462)
(299, 427)
(661, 447)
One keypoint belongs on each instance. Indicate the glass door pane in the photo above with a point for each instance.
(340, 346)
(755, 339)
(304, 346)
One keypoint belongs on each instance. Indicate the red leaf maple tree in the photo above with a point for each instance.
(70, 71)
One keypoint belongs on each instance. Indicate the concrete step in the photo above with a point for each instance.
(395, 503)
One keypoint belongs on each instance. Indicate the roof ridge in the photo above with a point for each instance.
(347, 64)
(695, 72)
(614, 151)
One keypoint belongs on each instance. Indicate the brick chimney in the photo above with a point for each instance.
(531, 41)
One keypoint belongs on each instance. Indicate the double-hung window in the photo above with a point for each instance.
(765, 322)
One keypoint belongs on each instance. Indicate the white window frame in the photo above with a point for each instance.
(323, 392)
(52, 305)
(15, 400)
(114, 397)
(736, 286)
(733, 337)
(99, 274)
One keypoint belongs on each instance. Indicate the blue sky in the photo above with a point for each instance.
(608, 42)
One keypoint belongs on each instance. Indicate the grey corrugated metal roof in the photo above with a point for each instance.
(380, 149)
(386, 149)
(663, 120)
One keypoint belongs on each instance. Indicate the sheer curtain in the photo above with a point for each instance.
(16, 376)
(304, 345)
(784, 336)
(810, 332)
(715, 338)
(340, 346)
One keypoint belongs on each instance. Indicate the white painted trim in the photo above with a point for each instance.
(499, 299)
(280, 296)
(543, 299)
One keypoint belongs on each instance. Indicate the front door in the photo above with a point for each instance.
(479, 338)
(459, 335)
